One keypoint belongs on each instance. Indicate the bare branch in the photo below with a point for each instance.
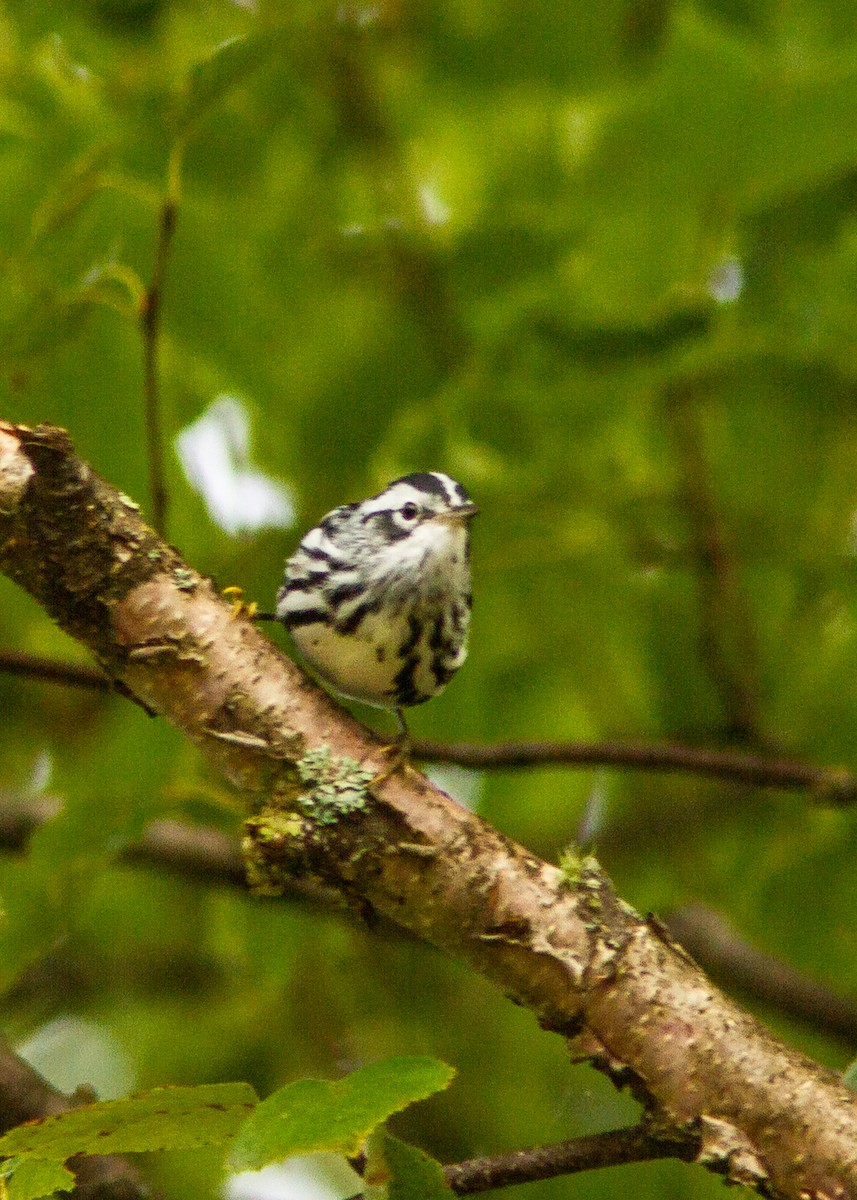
(33, 666)
(727, 638)
(710, 938)
(150, 328)
(830, 784)
(212, 857)
(616, 1148)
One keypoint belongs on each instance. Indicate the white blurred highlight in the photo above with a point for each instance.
(70, 1052)
(462, 783)
(215, 454)
(304, 1177)
(595, 813)
(435, 209)
(726, 281)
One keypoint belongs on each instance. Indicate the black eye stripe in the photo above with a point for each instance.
(391, 527)
(386, 520)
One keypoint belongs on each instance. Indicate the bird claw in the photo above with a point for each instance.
(240, 606)
(399, 753)
(399, 758)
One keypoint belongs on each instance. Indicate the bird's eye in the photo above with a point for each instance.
(410, 511)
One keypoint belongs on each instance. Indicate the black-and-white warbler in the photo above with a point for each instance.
(377, 596)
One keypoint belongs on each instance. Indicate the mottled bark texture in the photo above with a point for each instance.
(556, 940)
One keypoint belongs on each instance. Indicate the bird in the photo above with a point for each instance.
(377, 596)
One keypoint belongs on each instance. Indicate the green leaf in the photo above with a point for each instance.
(31, 1178)
(212, 79)
(178, 1118)
(314, 1115)
(413, 1174)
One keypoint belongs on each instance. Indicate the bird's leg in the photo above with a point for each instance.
(399, 752)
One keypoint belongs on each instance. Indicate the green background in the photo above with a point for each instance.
(598, 262)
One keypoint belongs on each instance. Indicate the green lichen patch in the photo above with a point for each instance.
(265, 850)
(184, 579)
(334, 786)
(571, 864)
(579, 868)
(331, 787)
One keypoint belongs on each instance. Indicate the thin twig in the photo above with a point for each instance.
(33, 666)
(719, 949)
(618, 1147)
(615, 1148)
(727, 637)
(150, 328)
(829, 784)
(193, 851)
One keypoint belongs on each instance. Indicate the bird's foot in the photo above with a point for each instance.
(240, 606)
(398, 758)
(398, 753)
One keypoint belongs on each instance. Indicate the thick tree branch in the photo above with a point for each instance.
(558, 941)
(210, 856)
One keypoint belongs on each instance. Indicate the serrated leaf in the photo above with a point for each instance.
(413, 1174)
(180, 1118)
(313, 1115)
(210, 80)
(32, 1178)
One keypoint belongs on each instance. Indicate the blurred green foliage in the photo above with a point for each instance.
(597, 261)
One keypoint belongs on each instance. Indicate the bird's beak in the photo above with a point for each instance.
(464, 512)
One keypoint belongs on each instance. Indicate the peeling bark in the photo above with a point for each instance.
(556, 940)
